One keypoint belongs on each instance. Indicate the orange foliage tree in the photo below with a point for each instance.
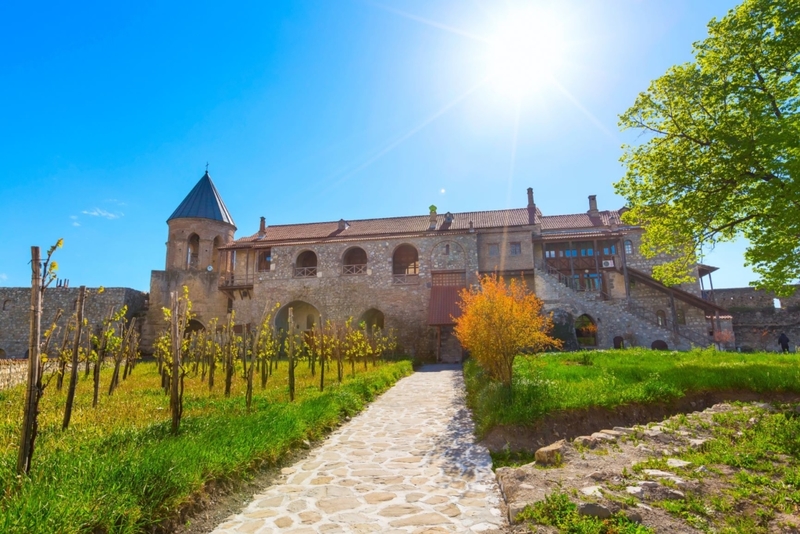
(498, 320)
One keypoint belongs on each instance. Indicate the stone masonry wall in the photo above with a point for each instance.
(757, 323)
(338, 296)
(15, 311)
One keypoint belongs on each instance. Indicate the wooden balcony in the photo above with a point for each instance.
(232, 281)
(352, 270)
(305, 272)
(405, 279)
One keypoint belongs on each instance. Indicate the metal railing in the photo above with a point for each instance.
(354, 269)
(305, 272)
(405, 279)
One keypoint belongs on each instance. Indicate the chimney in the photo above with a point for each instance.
(262, 229)
(592, 205)
(530, 198)
(432, 225)
(343, 225)
(531, 207)
(471, 228)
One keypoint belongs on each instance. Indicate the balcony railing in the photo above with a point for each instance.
(354, 269)
(305, 272)
(405, 279)
(230, 280)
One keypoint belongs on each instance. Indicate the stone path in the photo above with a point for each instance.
(408, 463)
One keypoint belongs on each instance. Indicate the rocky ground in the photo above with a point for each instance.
(599, 472)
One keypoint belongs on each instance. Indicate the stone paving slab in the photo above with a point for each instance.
(408, 463)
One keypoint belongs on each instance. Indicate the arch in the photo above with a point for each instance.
(372, 318)
(193, 326)
(586, 331)
(661, 318)
(628, 246)
(448, 256)
(405, 260)
(659, 344)
(354, 261)
(306, 264)
(305, 316)
(619, 342)
(218, 242)
(193, 251)
(2, 354)
(7, 304)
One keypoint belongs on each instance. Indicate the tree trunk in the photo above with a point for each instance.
(29, 422)
(176, 400)
(73, 376)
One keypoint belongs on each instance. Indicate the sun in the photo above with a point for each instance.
(525, 51)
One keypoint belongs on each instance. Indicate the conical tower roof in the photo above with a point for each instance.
(203, 202)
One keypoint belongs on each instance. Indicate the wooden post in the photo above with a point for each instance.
(625, 270)
(174, 399)
(28, 434)
(290, 351)
(73, 372)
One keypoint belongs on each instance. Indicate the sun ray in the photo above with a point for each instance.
(594, 120)
(428, 22)
(397, 142)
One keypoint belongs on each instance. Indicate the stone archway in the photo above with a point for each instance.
(305, 316)
(193, 326)
(372, 318)
(586, 331)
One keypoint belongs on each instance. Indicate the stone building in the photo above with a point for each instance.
(405, 273)
(15, 308)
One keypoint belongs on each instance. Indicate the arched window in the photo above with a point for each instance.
(628, 246)
(7, 304)
(405, 261)
(193, 252)
(681, 316)
(215, 253)
(354, 261)
(265, 259)
(306, 265)
(661, 318)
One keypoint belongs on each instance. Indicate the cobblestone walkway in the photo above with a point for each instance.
(408, 463)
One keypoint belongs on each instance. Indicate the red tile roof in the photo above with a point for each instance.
(444, 307)
(419, 224)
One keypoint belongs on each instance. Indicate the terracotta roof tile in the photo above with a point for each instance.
(444, 305)
(418, 225)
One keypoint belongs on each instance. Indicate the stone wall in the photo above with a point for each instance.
(757, 323)
(15, 311)
(337, 296)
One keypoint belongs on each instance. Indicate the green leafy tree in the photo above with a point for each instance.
(720, 151)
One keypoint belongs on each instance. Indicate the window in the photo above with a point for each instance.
(681, 315)
(661, 318)
(587, 252)
(405, 261)
(494, 250)
(515, 249)
(609, 250)
(265, 259)
(628, 246)
(355, 261)
(306, 265)
(549, 253)
(452, 278)
(193, 252)
(447, 249)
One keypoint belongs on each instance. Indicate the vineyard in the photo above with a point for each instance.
(124, 445)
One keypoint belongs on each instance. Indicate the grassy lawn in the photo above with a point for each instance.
(569, 381)
(118, 469)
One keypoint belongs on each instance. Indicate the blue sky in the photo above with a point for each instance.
(311, 110)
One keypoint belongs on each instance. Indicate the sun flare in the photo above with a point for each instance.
(525, 51)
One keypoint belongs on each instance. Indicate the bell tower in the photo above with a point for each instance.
(198, 227)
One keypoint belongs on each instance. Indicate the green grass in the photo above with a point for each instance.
(563, 381)
(118, 469)
(558, 511)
